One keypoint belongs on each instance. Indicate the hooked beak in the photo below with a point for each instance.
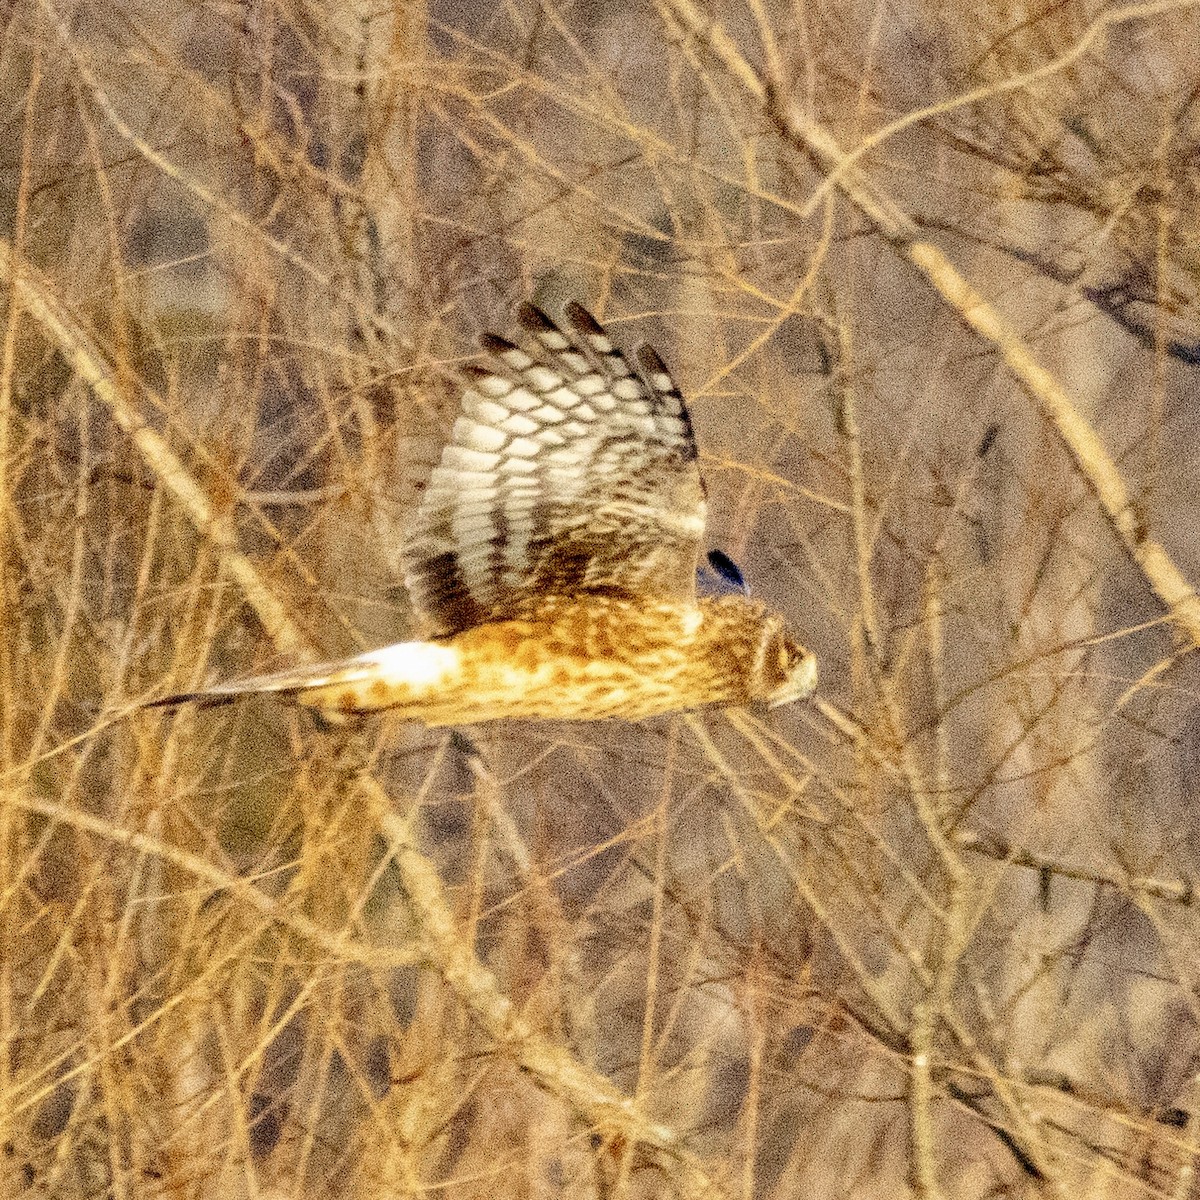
(799, 685)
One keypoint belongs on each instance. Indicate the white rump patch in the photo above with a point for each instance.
(420, 664)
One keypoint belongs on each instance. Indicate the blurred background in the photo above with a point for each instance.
(933, 936)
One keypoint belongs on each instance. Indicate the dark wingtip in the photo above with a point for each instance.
(493, 343)
(720, 576)
(728, 569)
(534, 319)
(580, 319)
(649, 360)
(477, 371)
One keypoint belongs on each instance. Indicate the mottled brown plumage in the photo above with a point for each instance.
(552, 561)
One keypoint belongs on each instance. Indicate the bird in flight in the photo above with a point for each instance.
(554, 558)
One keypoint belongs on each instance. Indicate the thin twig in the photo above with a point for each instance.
(990, 845)
(38, 297)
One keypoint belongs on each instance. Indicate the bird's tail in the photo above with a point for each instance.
(285, 684)
(384, 678)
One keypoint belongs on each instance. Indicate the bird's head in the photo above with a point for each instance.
(790, 670)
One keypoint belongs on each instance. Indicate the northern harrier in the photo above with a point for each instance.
(552, 562)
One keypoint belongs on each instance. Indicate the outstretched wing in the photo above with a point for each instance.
(568, 472)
